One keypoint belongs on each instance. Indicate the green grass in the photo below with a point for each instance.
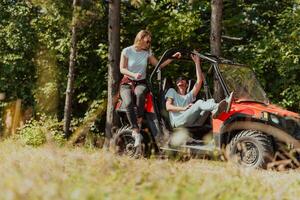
(51, 172)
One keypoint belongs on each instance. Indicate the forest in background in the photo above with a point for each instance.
(35, 46)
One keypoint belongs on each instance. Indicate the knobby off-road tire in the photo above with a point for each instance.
(250, 148)
(123, 144)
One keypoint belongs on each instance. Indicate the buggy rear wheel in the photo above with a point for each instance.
(250, 148)
(123, 144)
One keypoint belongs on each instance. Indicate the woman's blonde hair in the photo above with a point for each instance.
(140, 36)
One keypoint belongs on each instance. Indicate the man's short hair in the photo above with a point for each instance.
(180, 78)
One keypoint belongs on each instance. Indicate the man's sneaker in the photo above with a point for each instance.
(229, 102)
(137, 138)
(221, 107)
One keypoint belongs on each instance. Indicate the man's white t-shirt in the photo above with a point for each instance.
(178, 100)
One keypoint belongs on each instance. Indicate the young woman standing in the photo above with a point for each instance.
(133, 65)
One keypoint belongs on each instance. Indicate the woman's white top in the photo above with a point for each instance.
(137, 60)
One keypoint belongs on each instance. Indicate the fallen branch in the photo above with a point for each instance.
(231, 38)
(82, 131)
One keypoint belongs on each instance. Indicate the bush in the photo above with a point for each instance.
(38, 132)
(33, 134)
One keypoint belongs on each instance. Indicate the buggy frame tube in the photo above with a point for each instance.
(222, 82)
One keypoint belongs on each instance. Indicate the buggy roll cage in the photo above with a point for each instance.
(214, 60)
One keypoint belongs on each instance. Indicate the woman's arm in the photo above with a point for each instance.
(124, 68)
(153, 61)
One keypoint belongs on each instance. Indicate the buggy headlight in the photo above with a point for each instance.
(274, 119)
(270, 117)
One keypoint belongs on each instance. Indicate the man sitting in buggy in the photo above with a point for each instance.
(179, 103)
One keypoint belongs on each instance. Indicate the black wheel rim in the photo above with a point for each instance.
(247, 153)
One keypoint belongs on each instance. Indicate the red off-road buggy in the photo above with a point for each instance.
(250, 134)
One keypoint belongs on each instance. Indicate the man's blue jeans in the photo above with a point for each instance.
(191, 115)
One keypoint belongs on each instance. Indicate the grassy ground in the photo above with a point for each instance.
(50, 172)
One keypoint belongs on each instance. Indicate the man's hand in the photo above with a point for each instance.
(187, 107)
(171, 108)
(196, 59)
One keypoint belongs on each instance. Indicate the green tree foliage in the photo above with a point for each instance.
(270, 32)
(279, 53)
(28, 27)
(53, 27)
(172, 24)
(17, 46)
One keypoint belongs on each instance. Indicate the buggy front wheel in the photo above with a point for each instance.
(250, 148)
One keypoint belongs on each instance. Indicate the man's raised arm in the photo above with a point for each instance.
(199, 74)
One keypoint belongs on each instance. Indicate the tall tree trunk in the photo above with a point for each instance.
(216, 26)
(71, 74)
(215, 40)
(113, 67)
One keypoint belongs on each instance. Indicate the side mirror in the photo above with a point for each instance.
(2, 96)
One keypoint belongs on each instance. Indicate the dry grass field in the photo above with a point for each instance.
(51, 172)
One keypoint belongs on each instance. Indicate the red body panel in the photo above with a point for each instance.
(253, 109)
(149, 103)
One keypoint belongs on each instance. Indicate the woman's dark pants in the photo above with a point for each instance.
(127, 95)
